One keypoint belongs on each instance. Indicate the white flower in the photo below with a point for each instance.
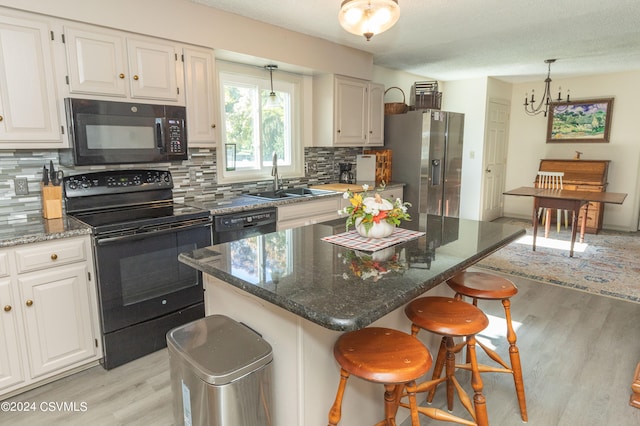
(345, 276)
(365, 187)
(345, 195)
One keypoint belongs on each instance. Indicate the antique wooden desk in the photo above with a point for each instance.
(582, 175)
(565, 199)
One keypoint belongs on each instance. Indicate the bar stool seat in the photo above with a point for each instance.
(451, 318)
(386, 356)
(486, 286)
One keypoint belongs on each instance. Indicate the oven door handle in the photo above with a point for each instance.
(149, 232)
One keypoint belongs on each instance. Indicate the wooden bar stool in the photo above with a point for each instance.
(452, 318)
(482, 285)
(389, 357)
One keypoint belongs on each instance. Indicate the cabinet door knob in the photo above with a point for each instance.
(213, 126)
(135, 77)
(54, 256)
(7, 308)
(1, 118)
(121, 75)
(338, 130)
(29, 302)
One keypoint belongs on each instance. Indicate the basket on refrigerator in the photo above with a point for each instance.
(391, 108)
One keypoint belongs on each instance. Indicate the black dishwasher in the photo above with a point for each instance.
(236, 226)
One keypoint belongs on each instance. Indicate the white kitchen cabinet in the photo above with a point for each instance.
(103, 62)
(49, 323)
(28, 101)
(11, 371)
(307, 212)
(376, 115)
(200, 93)
(348, 112)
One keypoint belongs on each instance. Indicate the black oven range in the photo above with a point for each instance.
(138, 232)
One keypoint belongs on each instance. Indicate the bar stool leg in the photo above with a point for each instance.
(336, 409)
(514, 355)
(439, 365)
(450, 368)
(479, 401)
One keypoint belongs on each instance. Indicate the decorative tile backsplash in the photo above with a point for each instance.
(194, 179)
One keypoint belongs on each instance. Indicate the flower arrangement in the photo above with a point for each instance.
(367, 266)
(368, 210)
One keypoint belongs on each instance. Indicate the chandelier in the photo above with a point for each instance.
(529, 104)
(368, 17)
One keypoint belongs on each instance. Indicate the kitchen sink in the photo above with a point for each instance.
(273, 195)
(289, 193)
(307, 192)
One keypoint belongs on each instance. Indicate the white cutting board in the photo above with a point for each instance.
(366, 169)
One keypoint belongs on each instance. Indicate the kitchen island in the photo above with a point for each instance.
(300, 293)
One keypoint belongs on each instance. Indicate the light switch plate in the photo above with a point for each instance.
(21, 186)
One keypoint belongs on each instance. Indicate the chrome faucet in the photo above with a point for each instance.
(274, 173)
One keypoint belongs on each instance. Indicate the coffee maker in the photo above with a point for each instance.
(345, 173)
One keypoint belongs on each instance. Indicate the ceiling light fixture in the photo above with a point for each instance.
(545, 101)
(272, 102)
(368, 17)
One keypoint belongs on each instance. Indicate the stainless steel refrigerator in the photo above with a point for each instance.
(427, 156)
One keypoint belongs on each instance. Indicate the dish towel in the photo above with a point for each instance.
(353, 240)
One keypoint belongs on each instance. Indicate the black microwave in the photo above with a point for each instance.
(105, 132)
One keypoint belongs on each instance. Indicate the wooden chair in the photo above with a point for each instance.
(485, 286)
(551, 180)
(451, 318)
(389, 357)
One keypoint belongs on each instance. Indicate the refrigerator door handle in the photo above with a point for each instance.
(435, 172)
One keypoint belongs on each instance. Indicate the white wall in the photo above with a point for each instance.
(469, 97)
(527, 144)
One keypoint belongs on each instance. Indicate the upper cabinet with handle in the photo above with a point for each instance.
(347, 112)
(102, 62)
(200, 91)
(28, 103)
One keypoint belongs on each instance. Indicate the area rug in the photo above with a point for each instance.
(607, 263)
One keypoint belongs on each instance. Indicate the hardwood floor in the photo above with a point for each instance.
(579, 352)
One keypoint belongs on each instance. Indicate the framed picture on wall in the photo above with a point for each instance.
(580, 121)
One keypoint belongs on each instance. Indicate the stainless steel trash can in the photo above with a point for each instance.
(221, 373)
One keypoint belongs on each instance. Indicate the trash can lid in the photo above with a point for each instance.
(219, 349)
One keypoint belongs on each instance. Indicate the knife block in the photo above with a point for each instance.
(51, 201)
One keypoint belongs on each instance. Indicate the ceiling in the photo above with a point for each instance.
(462, 39)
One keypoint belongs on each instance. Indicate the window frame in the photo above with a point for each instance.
(282, 81)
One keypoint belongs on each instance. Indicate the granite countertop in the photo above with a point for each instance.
(37, 229)
(342, 289)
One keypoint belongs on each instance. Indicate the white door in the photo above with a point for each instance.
(376, 115)
(11, 371)
(97, 62)
(153, 70)
(351, 112)
(55, 304)
(28, 110)
(200, 97)
(495, 161)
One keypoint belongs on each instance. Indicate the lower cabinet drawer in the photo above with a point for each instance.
(45, 255)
